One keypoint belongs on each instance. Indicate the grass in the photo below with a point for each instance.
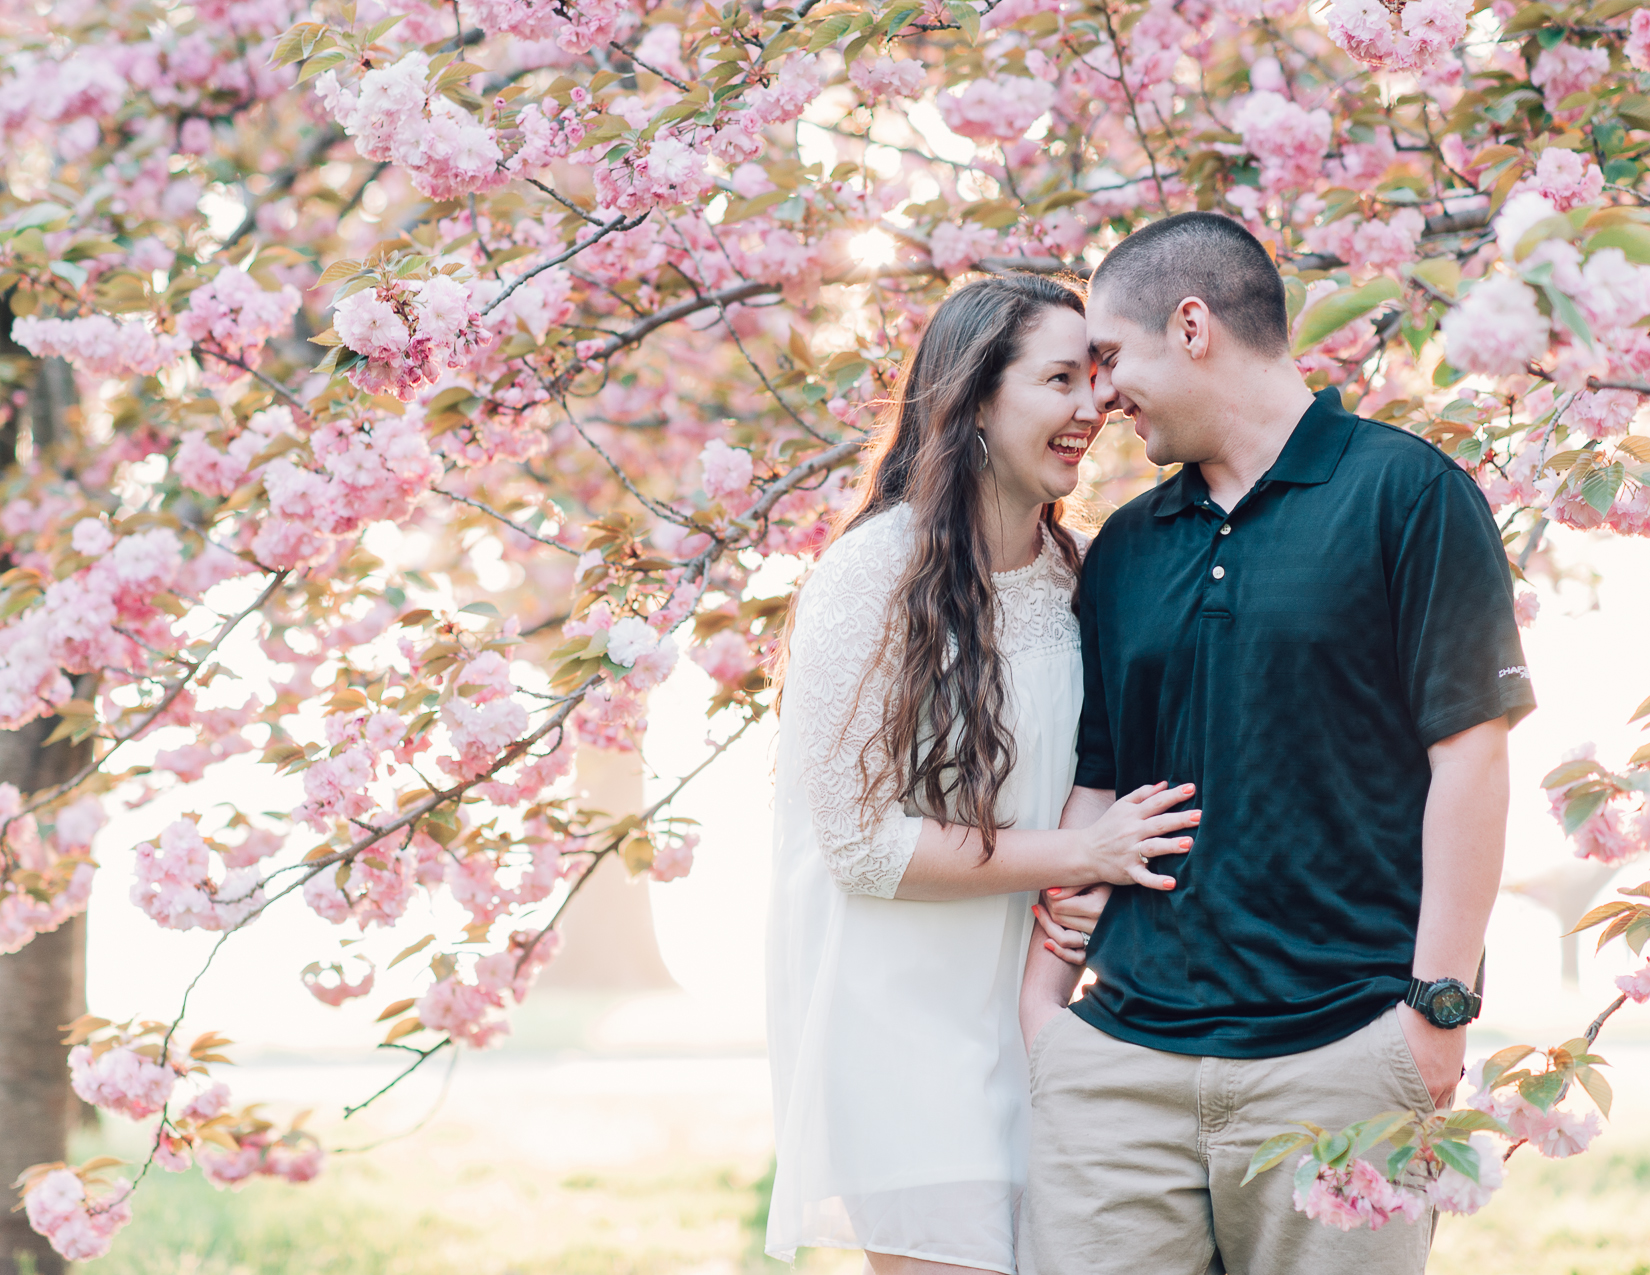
(431, 1207)
(1585, 1216)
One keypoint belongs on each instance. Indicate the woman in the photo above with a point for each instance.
(927, 744)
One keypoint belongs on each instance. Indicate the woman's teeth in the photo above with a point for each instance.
(1069, 448)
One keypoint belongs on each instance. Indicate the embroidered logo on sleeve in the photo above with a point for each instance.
(1516, 670)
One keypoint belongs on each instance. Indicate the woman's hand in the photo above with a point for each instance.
(1068, 918)
(1121, 843)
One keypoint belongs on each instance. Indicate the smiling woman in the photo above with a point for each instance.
(926, 748)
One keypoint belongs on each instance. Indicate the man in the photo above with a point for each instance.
(1313, 623)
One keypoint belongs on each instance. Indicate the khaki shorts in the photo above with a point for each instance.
(1136, 1156)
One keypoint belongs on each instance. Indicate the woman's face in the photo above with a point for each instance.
(1043, 418)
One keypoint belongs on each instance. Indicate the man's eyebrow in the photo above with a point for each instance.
(1097, 345)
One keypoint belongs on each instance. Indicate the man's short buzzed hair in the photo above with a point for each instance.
(1197, 254)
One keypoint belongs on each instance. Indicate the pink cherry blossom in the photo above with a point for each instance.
(1357, 1196)
(1568, 179)
(340, 989)
(121, 1080)
(79, 1227)
(1567, 69)
(996, 109)
(1526, 606)
(727, 469)
(1557, 1134)
(1454, 1192)
(210, 1103)
(1638, 42)
(797, 83)
(955, 249)
(727, 657)
(673, 860)
(1288, 140)
(1496, 328)
(174, 888)
(1423, 31)
(369, 325)
(886, 77)
(1636, 985)
(100, 345)
(233, 315)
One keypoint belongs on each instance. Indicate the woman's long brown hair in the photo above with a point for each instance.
(942, 616)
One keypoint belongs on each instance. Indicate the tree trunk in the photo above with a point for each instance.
(607, 937)
(42, 987)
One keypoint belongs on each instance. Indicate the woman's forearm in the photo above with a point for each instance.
(949, 863)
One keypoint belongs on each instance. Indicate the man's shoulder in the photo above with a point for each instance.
(1395, 455)
(1136, 516)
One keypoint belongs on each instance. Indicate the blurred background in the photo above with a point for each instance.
(625, 1126)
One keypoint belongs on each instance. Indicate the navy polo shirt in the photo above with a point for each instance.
(1294, 659)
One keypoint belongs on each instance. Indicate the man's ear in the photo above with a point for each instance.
(1191, 327)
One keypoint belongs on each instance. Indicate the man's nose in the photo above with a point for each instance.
(1106, 397)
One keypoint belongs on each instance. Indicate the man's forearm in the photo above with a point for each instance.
(1463, 837)
(1463, 840)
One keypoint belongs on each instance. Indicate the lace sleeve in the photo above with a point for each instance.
(838, 693)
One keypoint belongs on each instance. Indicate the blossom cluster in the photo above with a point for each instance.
(396, 116)
(407, 337)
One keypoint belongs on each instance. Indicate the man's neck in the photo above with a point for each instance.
(1253, 434)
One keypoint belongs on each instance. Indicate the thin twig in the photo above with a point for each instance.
(440, 1101)
(424, 1055)
(618, 223)
(506, 520)
(274, 386)
(173, 690)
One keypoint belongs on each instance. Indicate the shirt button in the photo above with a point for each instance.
(1220, 573)
(1226, 529)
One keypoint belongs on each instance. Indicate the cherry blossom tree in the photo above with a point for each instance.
(471, 362)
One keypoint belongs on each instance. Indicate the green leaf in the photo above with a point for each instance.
(41, 215)
(1334, 312)
(1632, 239)
(1474, 1122)
(1273, 1152)
(1570, 771)
(1600, 487)
(1306, 1174)
(1500, 1063)
(75, 274)
(1377, 1129)
(321, 62)
(1597, 1087)
(1443, 273)
(830, 31)
(1459, 1156)
(1399, 1160)
(1564, 310)
(1582, 808)
(1541, 1091)
(480, 608)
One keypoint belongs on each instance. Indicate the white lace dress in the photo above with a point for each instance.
(899, 1075)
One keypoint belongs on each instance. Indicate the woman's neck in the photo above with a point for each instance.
(1013, 535)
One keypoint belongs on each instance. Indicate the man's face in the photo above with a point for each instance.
(1148, 377)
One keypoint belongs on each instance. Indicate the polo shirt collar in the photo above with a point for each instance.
(1314, 449)
(1311, 456)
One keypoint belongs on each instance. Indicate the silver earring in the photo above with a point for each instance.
(985, 452)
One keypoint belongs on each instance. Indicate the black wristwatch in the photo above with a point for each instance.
(1448, 1002)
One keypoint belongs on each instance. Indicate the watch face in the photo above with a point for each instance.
(1449, 1006)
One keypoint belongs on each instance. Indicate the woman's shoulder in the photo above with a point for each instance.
(880, 546)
